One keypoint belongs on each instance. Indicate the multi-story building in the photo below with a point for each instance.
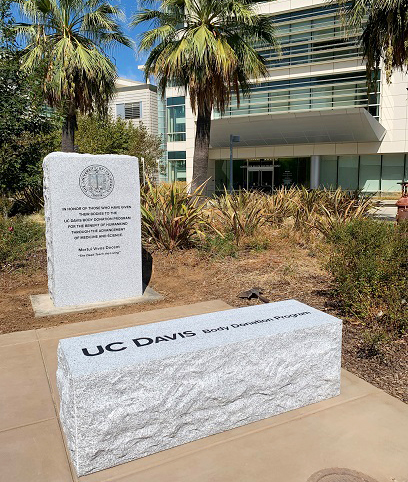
(137, 102)
(311, 122)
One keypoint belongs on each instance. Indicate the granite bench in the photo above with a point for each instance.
(129, 393)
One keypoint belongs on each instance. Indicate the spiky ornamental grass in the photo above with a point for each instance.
(207, 47)
(171, 216)
(69, 40)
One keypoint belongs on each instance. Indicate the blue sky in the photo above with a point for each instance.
(126, 59)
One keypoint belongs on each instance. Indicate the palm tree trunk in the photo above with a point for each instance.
(68, 130)
(202, 147)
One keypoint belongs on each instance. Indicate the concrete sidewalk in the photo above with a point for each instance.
(385, 210)
(363, 429)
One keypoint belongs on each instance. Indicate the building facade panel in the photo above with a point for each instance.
(136, 102)
(320, 70)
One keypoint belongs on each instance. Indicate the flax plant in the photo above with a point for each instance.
(240, 213)
(279, 206)
(339, 209)
(171, 216)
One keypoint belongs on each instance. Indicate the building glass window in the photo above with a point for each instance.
(325, 92)
(406, 168)
(370, 173)
(176, 118)
(348, 172)
(310, 35)
(163, 164)
(177, 166)
(392, 172)
(328, 172)
(221, 175)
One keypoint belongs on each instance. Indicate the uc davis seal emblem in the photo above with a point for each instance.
(96, 181)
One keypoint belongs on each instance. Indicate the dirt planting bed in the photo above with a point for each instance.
(285, 271)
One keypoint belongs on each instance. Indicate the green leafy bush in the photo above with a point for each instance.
(19, 237)
(21, 160)
(106, 135)
(369, 262)
(27, 129)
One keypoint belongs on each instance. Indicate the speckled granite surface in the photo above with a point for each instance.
(129, 393)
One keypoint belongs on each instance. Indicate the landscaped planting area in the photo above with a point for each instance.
(319, 247)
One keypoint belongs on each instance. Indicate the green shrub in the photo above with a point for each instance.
(107, 135)
(369, 262)
(219, 246)
(19, 237)
(29, 200)
(373, 343)
(27, 128)
(21, 161)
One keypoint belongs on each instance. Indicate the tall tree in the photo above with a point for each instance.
(26, 128)
(69, 40)
(385, 31)
(207, 47)
(7, 37)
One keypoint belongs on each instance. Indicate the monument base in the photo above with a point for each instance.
(43, 306)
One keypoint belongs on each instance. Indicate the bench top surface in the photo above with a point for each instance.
(116, 349)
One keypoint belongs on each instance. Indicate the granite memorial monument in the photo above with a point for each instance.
(92, 212)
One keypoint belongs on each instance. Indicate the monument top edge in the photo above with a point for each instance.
(155, 341)
(78, 156)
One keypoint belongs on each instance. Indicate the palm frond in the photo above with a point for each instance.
(71, 39)
(207, 46)
(384, 25)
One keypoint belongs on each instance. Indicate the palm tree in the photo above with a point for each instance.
(68, 40)
(385, 31)
(207, 47)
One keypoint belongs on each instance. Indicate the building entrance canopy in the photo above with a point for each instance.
(340, 125)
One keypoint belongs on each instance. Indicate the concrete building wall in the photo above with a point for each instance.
(129, 91)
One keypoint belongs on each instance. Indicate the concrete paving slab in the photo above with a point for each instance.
(385, 212)
(34, 453)
(363, 429)
(24, 390)
(43, 306)
(18, 337)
